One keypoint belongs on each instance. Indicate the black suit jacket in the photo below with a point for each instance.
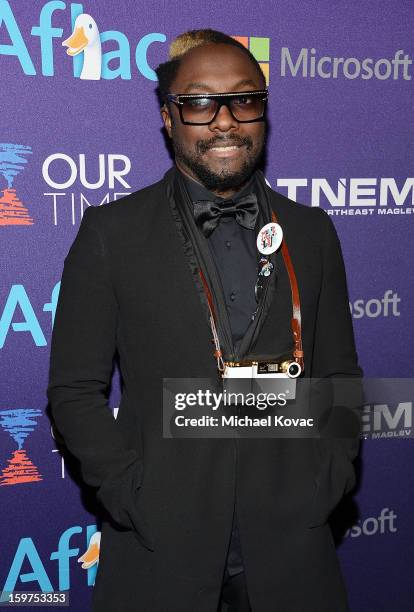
(127, 287)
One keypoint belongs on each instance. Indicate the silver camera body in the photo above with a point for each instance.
(262, 369)
(261, 376)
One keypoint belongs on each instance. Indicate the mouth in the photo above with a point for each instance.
(225, 151)
(226, 147)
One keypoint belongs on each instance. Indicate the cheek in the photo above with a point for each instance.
(258, 134)
(258, 138)
(186, 137)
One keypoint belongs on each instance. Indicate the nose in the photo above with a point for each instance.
(224, 120)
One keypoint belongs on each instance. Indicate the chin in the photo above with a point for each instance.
(224, 178)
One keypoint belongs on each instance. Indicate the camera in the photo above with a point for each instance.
(286, 368)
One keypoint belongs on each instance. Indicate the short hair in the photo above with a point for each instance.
(167, 71)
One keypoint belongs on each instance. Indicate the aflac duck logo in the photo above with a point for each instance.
(85, 38)
(91, 556)
(118, 63)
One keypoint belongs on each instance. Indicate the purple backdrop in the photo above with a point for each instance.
(340, 77)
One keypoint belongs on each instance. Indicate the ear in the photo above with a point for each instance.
(166, 117)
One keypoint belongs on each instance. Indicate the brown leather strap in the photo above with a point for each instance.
(207, 292)
(217, 352)
(296, 314)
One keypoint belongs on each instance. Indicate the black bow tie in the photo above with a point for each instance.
(207, 213)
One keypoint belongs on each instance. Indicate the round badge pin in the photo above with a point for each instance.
(269, 238)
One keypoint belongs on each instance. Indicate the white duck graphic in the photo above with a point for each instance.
(85, 37)
(91, 556)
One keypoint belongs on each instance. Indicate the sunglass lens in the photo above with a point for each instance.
(199, 110)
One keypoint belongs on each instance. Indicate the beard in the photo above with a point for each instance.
(225, 179)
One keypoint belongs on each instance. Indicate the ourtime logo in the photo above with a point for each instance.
(12, 162)
(308, 63)
(19, 424)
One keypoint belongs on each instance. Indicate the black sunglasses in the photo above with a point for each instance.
(202, 109)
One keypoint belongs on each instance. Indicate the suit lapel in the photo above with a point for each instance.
(270, 333)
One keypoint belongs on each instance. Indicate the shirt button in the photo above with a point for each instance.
(232, 296)
(228, 244)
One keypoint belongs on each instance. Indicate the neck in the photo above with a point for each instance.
(226, 193)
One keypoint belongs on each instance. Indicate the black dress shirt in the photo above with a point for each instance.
(234, 252)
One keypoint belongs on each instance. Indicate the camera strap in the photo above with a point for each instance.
(296, 321)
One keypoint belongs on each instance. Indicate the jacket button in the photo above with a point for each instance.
(228, 244)
(232, 296)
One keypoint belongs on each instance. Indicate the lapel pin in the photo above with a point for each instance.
(269, 238)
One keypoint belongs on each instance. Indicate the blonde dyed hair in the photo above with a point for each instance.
(189, 40)
(186, 41)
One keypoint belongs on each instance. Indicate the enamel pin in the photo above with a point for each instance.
(269, 238)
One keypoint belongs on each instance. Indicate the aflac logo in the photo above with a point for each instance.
(85, 38)
(19, 299)
(38, 576)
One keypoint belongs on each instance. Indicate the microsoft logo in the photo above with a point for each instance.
(260, 48)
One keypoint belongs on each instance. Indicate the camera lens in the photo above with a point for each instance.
(294, 369)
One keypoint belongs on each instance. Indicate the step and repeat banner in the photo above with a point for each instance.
(83, 128)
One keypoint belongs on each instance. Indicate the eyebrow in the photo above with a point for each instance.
(205, 87)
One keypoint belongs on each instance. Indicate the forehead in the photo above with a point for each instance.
(216, 68)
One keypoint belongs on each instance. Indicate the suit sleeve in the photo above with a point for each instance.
(335, 356)
(81, 361)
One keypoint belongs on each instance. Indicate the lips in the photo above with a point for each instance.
(222, 151)
(226, 147)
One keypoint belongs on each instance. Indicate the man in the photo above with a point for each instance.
(203, 524)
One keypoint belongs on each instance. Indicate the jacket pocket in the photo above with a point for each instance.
(138, 521)
(336, 477)
(122, 499)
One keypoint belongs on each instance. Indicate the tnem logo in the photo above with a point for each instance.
(84, 37)
(387, 421)
(69, 546)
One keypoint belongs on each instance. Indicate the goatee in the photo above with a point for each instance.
(224, 180)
